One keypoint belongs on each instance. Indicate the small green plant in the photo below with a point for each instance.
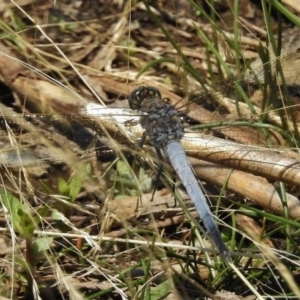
(128, 46)
(68, 192)
(64, 25)
(22, 222)
(70, 189)
(125, 183)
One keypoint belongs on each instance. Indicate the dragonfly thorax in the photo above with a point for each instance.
(162, 124)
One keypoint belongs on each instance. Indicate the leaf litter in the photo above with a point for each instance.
(95, 41)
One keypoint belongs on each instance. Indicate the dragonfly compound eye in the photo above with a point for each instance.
(137, 97)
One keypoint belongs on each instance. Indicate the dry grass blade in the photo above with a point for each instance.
(259, 161)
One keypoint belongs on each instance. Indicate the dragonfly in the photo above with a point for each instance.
(197, 143)
(162, 124)
(217, 154)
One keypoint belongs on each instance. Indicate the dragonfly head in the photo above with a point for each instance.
(143, 97)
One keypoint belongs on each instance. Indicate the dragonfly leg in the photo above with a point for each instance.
(158, 176)
(141, 144)
(160, 169)
(173, 190)
(157, 180)
(138, 203)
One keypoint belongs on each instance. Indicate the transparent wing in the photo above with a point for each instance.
(217, 128)
(231, 135)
